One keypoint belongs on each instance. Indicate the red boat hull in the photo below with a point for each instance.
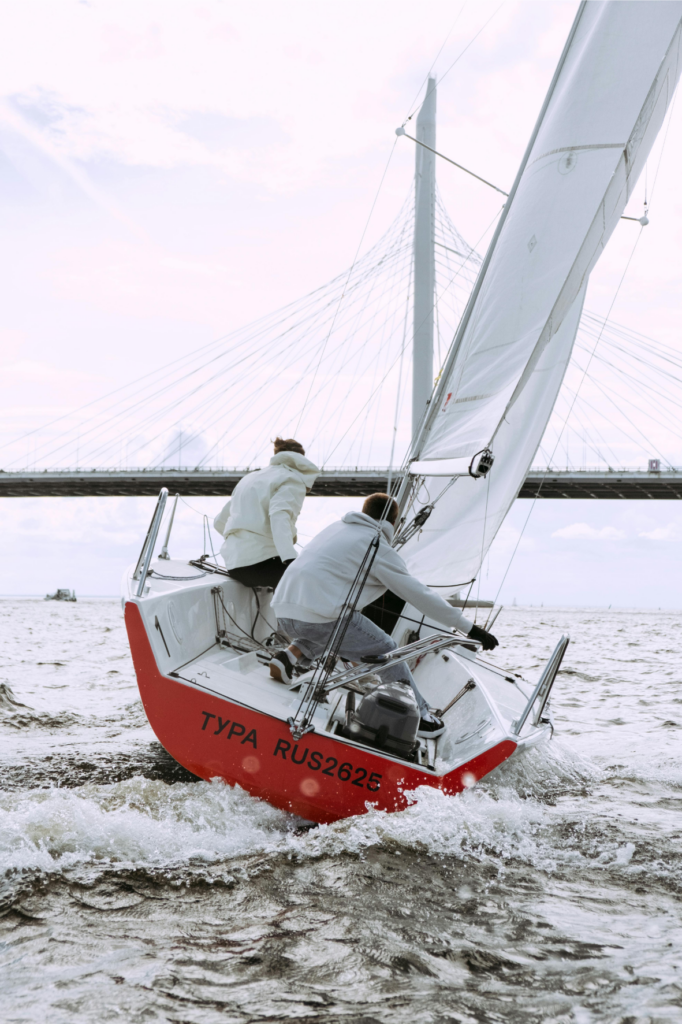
(319, 778)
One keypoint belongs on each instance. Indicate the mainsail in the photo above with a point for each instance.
(604, 108)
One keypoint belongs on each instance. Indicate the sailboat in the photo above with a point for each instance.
(201, 642)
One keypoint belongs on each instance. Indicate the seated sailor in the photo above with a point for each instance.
(309, 599)
(259, 522)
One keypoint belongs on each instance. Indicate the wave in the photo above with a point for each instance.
(16, 715)
(136, 823)
(69, 769)
(20, 716)
(8, 702)
(209, 829)
(545, 773)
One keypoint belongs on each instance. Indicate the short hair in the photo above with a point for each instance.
(381, 506)
(288, 444)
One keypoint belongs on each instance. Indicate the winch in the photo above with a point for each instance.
(387, 718)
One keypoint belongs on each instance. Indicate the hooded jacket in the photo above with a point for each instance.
(315, 587)
(259, 521)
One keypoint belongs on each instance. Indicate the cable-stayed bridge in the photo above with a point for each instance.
(347, 370)
(344, 482)
(334, 369)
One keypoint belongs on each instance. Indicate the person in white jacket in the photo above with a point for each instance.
(310, 597)
(259, 522)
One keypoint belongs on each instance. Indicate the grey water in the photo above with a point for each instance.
(130, 891)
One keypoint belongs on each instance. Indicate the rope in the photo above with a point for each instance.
(480, 567)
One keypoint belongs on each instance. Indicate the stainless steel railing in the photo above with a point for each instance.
(142, 567)
(315, 691)
(164, 550)
(543, 689)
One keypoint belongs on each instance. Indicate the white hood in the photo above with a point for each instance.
(361, 519)
(294, 460)
(260, 520)
(315, 586)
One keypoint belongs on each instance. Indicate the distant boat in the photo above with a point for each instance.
(457, 601)
(62, 595)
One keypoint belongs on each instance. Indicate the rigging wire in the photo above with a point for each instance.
(660, 159)
(217, 390)
(537, 494)
(461, 167)
(459, 56)
(433, 64)
(480, 567)
(223, 393)
(357, 253)
(469, 44)
(400, 381)
(372, 395)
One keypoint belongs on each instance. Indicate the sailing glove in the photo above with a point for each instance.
(488, 641)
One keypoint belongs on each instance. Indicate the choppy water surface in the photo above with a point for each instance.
(129, 891)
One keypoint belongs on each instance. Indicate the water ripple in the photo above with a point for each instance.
(131, 891)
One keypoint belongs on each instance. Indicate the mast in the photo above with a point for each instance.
(424, 258)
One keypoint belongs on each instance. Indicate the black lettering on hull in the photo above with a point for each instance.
(236, 729)
(344, 772)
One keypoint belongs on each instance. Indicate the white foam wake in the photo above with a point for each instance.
(195, 827)
(140, 823)
(136, 823)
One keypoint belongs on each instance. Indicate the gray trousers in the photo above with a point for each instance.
(362, 637)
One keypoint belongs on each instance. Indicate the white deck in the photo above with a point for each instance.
(183, 616)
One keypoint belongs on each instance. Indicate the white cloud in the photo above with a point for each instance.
(670, 532)
(184, 84)
(507, 539)
(583, 531)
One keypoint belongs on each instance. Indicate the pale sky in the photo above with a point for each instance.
(172, 170)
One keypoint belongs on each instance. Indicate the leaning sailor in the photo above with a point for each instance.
(259, 523)
(310, 597)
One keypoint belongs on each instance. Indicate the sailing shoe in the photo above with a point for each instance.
(281, 668)
(430, 726)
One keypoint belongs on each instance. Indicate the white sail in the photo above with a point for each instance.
(606, 104)
(452, 544)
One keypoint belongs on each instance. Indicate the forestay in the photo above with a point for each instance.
(605, 106)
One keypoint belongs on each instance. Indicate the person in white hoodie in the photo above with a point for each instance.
(310, 597)
(259, 522)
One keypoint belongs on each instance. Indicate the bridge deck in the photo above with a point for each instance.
(330, 483)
